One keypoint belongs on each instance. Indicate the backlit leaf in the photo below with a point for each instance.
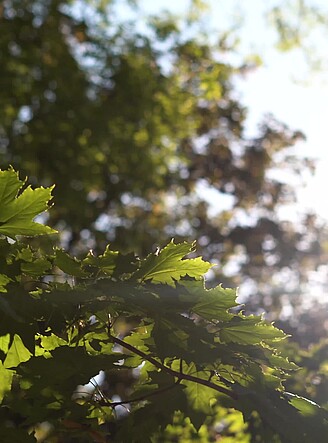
(250, 330)
(6, 376)
(17, 353)
(17, 211)
(211, 304)
(4, 280)
(168, 265)
(106, 262)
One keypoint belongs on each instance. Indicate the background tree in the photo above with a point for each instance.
(130, 124)
(142, 131)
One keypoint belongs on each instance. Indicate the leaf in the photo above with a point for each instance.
(106, 262)
(9, 185)
(17, 353)
(250, 330)
(49, 343)
(4, 343)
(25, 254)
(170, 340)
(278, 411)
(211, 304)
(18, 211)
(305, 406)
(6, 377)
(68, 264)
(168, 265)
(4, 280)
(32, 262)
(36, 268)
(200, 397)
(277, 361)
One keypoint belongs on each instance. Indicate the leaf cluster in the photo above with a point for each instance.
(166, 346)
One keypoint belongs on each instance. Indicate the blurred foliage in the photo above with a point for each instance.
(299, 24)
(134, 127)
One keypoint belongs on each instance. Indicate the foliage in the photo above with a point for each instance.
(17, 212)
(143, 132)
(144, 135)
(186, 350)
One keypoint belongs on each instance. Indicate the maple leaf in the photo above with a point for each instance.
(169, 265)
(19, 209)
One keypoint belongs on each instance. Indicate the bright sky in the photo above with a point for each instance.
(270, 89)
(304, 108)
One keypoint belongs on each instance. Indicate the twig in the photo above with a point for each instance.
(137, 399)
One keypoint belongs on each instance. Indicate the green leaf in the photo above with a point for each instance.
(170, 340)
(68, 264)
(6, 376)
(4, 343)
(168, 265)
(9, 185)
(250, 330)
(4, 280)
(17, 353)
(211, 304)
(139, 341)
(306, 407)
(106, 262)
(277, 410)
(36, 268)
(18, 211)
(25, 254)
(200, 398)
(277, 361)
(49, 343)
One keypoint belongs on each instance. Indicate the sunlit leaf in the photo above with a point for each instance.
(6, 377)
(17, 353)
(17, 211)
(250, 330)
(4, 280)
(106, 262)
(169, 265)
(211, 304)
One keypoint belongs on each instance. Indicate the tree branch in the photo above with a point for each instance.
(179, 375)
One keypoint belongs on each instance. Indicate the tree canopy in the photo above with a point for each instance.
(134, 127)
(140, 127)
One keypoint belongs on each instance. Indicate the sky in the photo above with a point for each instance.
(301, 107)
(283, 86)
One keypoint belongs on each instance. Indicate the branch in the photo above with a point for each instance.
(179, 375)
